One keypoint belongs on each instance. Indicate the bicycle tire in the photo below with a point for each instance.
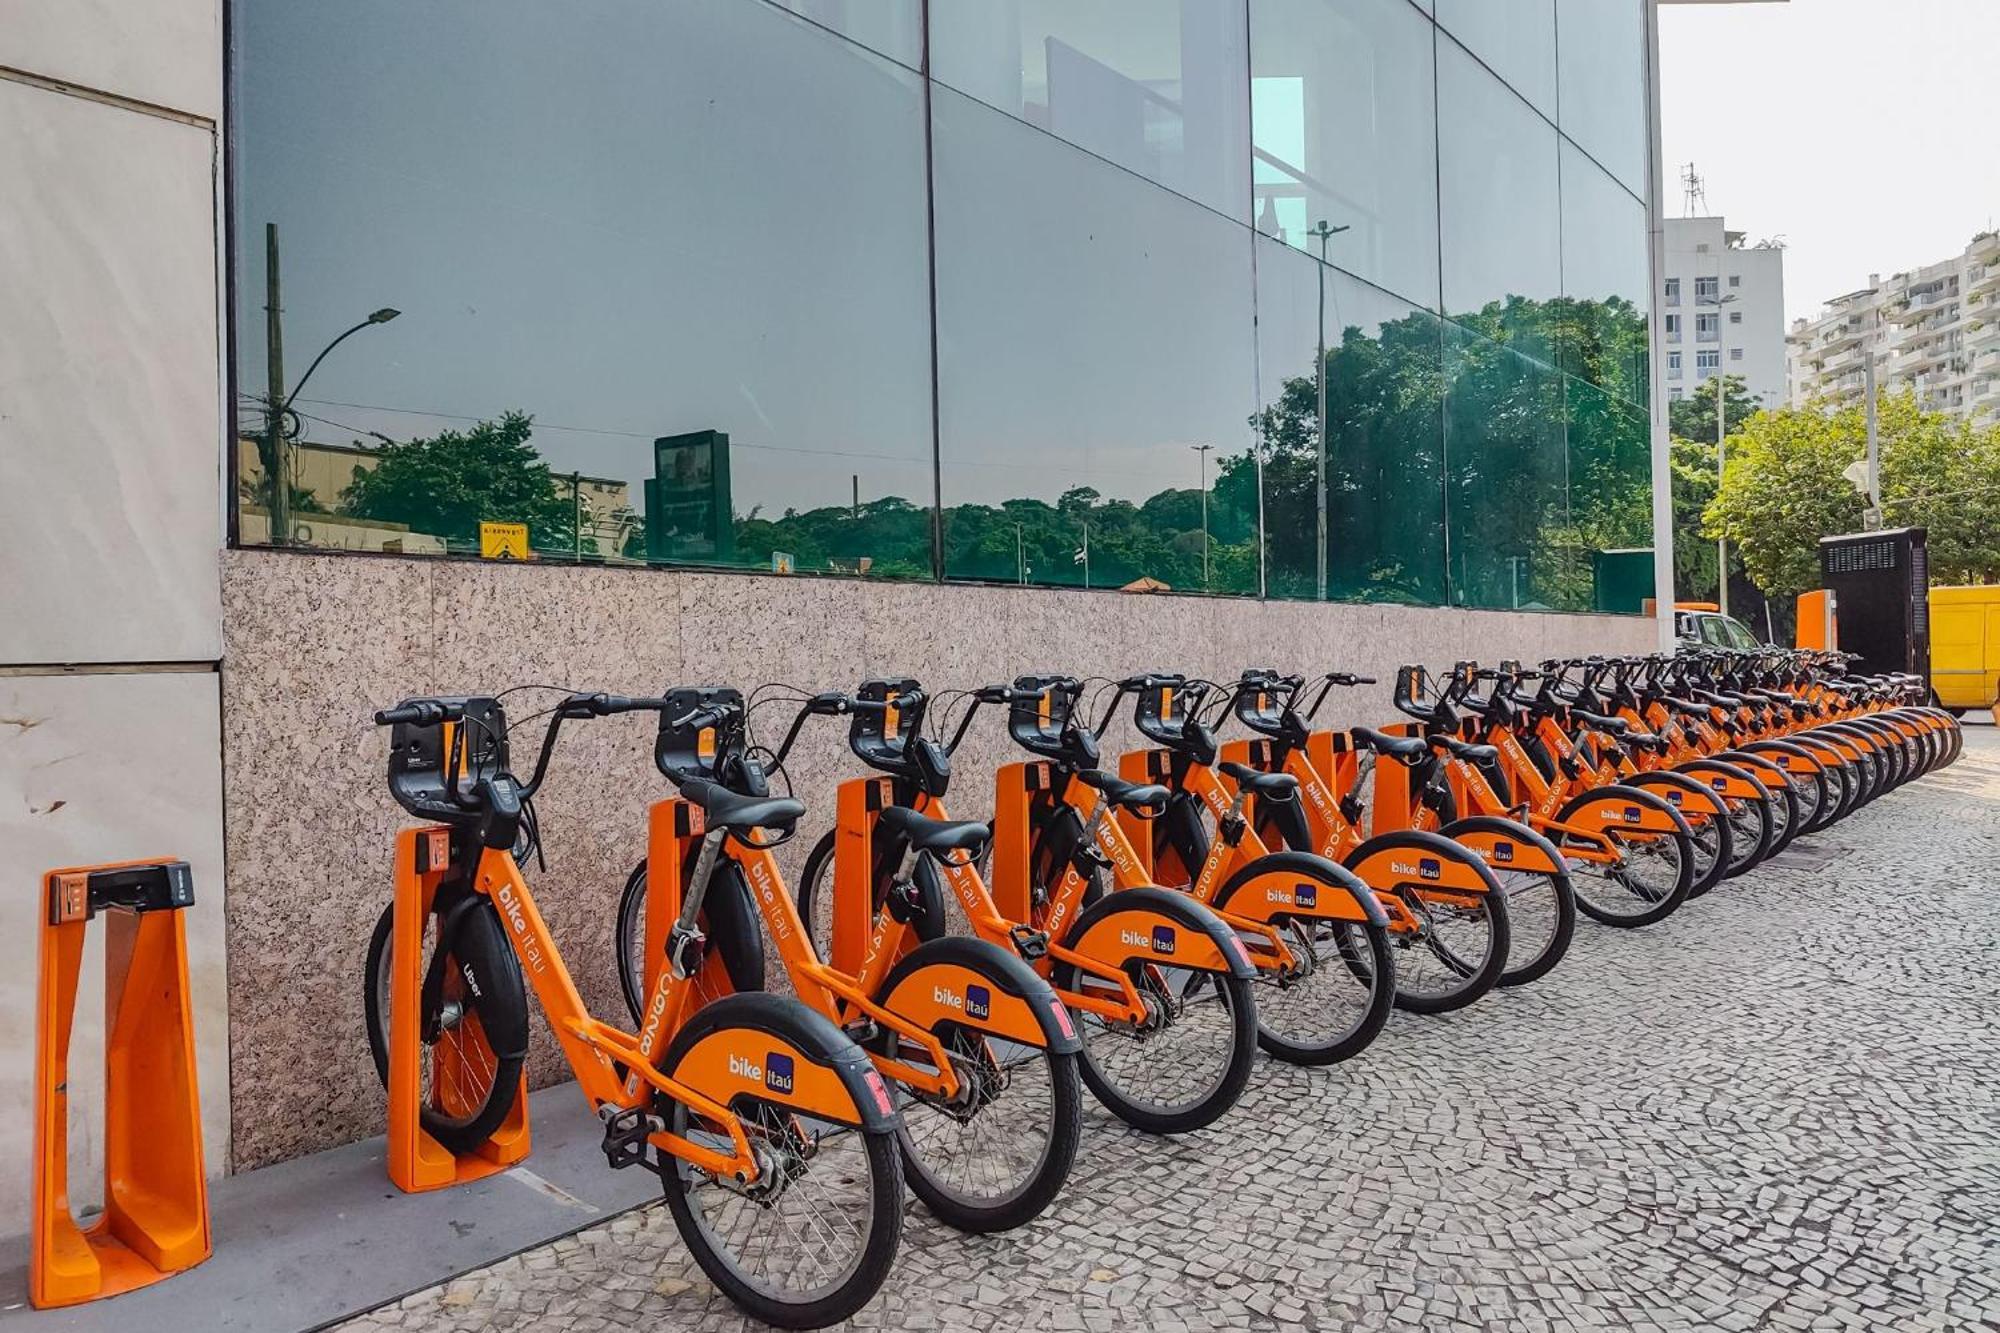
(498, 999)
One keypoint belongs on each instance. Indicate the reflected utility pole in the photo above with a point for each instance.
(1324, 230)
(1202, 450)
(277, 467)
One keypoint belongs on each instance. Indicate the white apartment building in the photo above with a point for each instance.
(1723, 307)
(1934, 328)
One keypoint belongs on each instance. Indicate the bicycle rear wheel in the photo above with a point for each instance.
(1652, 873)
(473, 1035)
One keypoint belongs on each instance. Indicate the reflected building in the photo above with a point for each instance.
(960, 290)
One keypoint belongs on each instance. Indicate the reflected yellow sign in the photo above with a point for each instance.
(503, 541)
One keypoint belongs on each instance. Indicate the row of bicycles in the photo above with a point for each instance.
(928, 1002)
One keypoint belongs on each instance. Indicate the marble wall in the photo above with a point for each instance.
(313, 644)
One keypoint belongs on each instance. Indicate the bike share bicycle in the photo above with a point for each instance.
(1630, 852)
(772, 1134)
(1160, 985)
(1332, 817)
(980, 1053)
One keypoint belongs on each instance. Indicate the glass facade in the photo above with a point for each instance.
(1016, 291)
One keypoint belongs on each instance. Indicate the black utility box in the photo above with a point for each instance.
(1881, 587)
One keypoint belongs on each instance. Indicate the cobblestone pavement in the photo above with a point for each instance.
(1780, 1109)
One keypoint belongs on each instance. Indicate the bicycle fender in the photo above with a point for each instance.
(1618, 806)
(775, 1049)
(978, 985)
(1158, 925)
(1506, 844)
(1298, 884)
(1418, 859)
(1724, 779)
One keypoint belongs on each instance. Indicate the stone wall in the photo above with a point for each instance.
(313, 644)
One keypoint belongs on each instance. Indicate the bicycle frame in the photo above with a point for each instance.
(675, 826)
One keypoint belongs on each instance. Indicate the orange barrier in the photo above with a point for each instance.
(417, 1161)
(155, 1219)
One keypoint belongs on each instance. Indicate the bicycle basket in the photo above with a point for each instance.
(422, 759)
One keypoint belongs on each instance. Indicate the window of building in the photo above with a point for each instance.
(1673, 326)
(1736, 280)
(1343, 121)
(1501, 203)
(1736, 317)
(1736, 354)
(1673, 291)
(1710, 359)
(1160, 93)
(1675, 395)
(1707, 289)
(1674, 364)
(1708, 327)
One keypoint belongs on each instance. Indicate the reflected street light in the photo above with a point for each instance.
(277, 461)
(1324, 231)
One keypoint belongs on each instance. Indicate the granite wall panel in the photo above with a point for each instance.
(315, 643)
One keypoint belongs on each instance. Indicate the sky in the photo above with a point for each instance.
(1859, 131)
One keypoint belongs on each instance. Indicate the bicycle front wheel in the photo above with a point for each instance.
(810, 1240)
(473, 1035)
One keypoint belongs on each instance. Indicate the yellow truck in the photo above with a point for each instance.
(1965, 646)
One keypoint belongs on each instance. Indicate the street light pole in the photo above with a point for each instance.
(1721, 433)
(1202, 451)
(1324, 231)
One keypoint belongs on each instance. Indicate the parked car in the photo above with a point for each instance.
(1706, 627)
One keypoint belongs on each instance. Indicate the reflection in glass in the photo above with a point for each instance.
(1507, 494)
(1345, 131)
(1610, 487)
(1516, 39)
(1605, 266)
(1157, 88)
(1092, 330)
(1385, 463)
(1501, 210)
(893, 27)
(602, 237)
(1601, 55)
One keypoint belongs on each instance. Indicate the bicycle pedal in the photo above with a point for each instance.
(625, 1135)
(862, 1031)
(1031, 944)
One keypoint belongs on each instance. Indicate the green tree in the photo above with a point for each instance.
(1693, 417)
(450, 483)
(1783, 490)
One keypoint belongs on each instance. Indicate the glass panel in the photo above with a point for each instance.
(1345, 132)
(1093, 330)
(636, 287)
(893, 27)
(1507, 506)
(1517, 40)
(1605, 267)
(1601, 63)
(1501, 209)
(1610, 483)
(1385, 467)
(1156, 86)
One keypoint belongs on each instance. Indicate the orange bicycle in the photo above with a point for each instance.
(1443, 917)
(1350, 791)
(772, 1134)
(979, 1052)
(1630, 852)
(1160, 985)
